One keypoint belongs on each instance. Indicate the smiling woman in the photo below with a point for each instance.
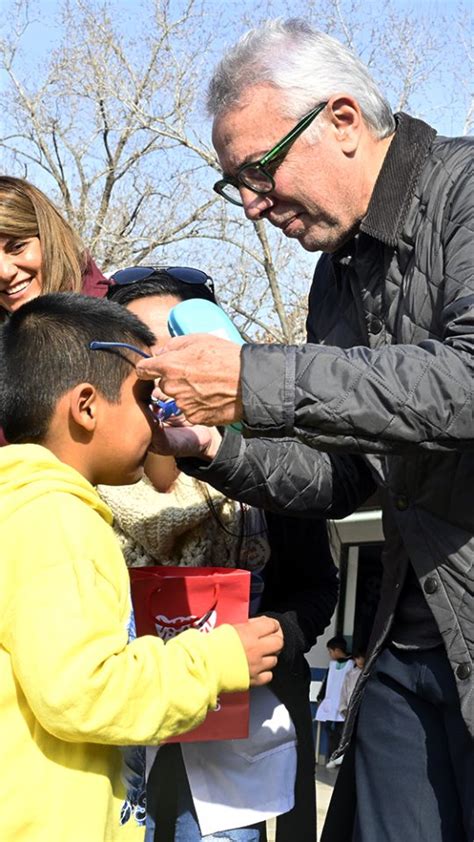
(39, 251)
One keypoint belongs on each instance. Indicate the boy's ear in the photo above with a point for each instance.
(83, 406)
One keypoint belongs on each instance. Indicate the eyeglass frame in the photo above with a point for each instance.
(161, 410)
(172, 271)
(283, 144)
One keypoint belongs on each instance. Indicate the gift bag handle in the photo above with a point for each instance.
(202, 620)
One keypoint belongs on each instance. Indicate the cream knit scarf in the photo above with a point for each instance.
(179, 527)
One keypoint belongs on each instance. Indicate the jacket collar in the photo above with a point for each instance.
(396, 182)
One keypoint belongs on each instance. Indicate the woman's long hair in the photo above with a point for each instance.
(26, 212)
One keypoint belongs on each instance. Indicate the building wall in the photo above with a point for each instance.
(357, 543)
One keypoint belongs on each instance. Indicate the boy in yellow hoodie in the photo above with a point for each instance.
(74, 684)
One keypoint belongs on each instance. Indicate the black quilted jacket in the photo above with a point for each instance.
(385, 395)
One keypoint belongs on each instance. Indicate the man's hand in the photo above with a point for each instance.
(262, 639)
(202, 374)
(178, 438)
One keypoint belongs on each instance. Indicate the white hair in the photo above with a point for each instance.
(307, 66)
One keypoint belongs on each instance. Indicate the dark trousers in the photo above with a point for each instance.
(414, 757)
(334, 733)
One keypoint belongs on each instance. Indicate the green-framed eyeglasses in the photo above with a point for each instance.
(255, 176)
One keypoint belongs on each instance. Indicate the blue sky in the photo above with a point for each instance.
(439, 99)
(44, 32)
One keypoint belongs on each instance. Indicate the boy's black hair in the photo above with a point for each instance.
(44, 351)
(159, 283)
(337, 642)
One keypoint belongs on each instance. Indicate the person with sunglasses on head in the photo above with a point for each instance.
(380, 397)
(227, 789)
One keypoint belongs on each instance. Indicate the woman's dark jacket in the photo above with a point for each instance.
(301, 589)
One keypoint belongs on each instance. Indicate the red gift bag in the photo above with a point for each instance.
(169, 600)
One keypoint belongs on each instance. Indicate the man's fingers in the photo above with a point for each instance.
(151, 371)
(148, 369)
(158, 394)
(202, 374)
(181, 440)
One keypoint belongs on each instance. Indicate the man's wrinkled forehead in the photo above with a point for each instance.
(245, 132)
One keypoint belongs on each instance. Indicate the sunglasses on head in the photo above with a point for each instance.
(186, 274)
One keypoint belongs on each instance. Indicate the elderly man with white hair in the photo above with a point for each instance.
(381, 396)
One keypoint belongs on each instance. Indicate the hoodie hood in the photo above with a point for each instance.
(28, 471)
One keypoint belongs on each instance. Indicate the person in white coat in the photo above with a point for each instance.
(340, 664)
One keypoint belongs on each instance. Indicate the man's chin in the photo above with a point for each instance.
(311, 235)
(310, 245)
(313, 243)
(328, 241)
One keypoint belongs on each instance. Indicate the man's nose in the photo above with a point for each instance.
(255, 204)
(8, 268)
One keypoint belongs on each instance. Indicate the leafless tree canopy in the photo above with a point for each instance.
(110, 124)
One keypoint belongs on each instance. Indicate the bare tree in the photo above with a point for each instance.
(110, 123)
(83, 125)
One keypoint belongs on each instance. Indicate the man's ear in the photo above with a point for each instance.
(83, 406)
(343, 112)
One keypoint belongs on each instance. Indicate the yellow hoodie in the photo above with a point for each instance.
(72, 688)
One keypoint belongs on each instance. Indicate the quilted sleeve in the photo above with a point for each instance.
(285, 476)
(384, 400)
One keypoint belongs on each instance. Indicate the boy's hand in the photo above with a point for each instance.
(262, 639)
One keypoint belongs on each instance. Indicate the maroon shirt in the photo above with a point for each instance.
(94, 282)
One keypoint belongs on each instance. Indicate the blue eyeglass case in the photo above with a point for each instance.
(199, 316)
